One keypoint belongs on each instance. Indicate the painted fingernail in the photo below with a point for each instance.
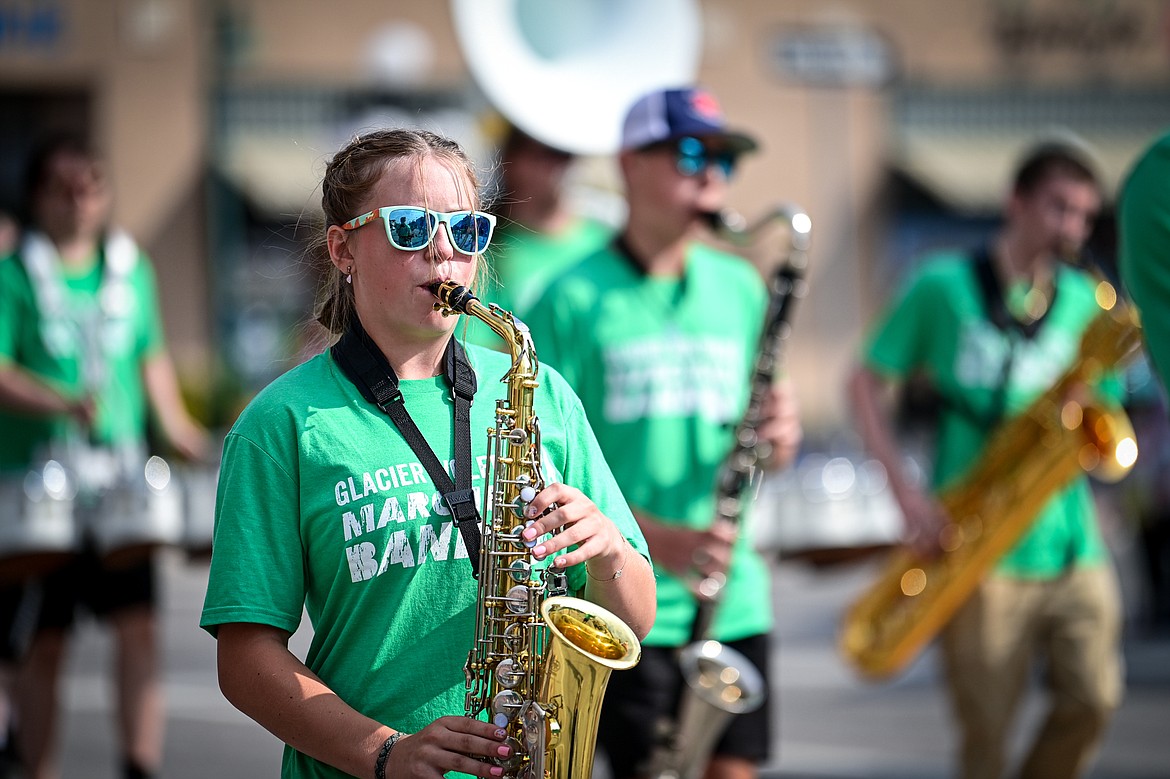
(540, 551)
(501, 733)
(529, 533)
(559, 562)
(496, 771)
(504, 751)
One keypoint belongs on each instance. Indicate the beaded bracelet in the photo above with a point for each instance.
(384, 755)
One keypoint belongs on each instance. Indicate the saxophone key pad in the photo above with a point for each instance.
(520, 570)
(517, 599)
(506, 705)
(533, 542)
(509, 673)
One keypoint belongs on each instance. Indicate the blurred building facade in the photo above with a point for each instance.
(894, 124)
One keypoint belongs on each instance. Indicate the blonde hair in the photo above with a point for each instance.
(349, 178)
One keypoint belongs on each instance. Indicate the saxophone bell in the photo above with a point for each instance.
(721, 683)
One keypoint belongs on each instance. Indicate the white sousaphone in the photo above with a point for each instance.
(565, 72)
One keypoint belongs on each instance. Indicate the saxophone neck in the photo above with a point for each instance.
(732, 227)
(455, 299)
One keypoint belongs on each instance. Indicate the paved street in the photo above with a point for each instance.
(830, 725)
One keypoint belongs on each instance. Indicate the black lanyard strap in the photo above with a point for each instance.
(365, 365)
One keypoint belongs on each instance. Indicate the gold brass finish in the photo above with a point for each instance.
(997, 501)
(540, 660)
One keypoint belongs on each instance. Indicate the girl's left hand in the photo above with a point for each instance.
(581, 523)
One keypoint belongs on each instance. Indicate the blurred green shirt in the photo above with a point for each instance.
(662, 366)
(939, 327)
(128, 336)
(1144, 225)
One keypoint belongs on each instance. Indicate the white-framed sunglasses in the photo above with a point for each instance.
(411, 228)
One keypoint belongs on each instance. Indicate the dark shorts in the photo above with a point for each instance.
(638, 701)
(87, 584)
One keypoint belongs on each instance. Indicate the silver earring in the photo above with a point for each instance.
(349, 275)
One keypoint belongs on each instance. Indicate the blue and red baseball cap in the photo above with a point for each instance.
(669, 114)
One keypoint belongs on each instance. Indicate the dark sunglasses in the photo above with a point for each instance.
(692, 157)
(411, 228)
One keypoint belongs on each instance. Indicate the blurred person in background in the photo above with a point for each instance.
(1144, 242)
(539, 233)
(992, 330)
(9, 233)
(83, 369)
(1143, 217)
(657, 332)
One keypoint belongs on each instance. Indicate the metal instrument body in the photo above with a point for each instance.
(540, 659)
(1027, 460)
(721, 682)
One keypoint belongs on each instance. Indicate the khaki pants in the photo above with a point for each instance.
(1073, 624)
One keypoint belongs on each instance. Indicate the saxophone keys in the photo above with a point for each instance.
(509, 673)
(517, 599)
(913, 582)
(505, 706)
(534, 724)
(533, 542)
(950, 538)
(519, 570)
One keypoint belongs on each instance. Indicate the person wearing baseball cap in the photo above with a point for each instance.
(670, 115)
(657, 333)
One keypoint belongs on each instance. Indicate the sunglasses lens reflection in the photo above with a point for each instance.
(470, 231)
(410, 228)
(693, 156)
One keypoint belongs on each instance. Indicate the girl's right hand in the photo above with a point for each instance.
(449, 744)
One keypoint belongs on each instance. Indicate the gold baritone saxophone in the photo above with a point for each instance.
(719, 681)
(540, 660)
(1031, 457)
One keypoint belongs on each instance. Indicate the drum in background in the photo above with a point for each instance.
(38, 532)
(139, 512)
(199, 483)
(827, 510)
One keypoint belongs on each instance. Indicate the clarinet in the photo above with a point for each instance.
(721, 682)
(738, 471)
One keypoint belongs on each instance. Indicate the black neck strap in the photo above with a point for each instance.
(365, 365)
(994, 300)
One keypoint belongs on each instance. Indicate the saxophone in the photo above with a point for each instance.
(1029, 458)
(540, 660)
(721, 682)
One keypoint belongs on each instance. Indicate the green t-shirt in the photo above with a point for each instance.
(662, 366)
(1144, 227)
(939, 327)
(523, 262)
(323, 507)
(127, 330)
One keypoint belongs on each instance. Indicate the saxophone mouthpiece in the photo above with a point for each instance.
(727, 224)
(452, 296)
